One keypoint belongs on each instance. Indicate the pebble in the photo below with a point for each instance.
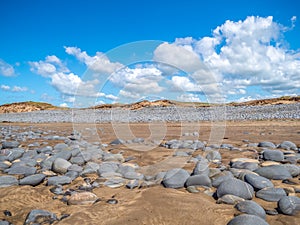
(273, 155)
(271, 194)
(288, 145)
(32, 180)
(112, 201)
(258, 182)
(266, 144)
(289, 205)
(6, 181)
(7, 213)
(192, 189)
(247, 220)
(82, 198)
(38, 216)
(252, 208)
(175, 178)
(275, 172)
(235, 187)
(201, 168)
(60, 165)
(10, 144)
(230, 199)
(56, 180)
(198, 180)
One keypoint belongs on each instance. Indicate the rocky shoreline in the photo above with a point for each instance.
(168, 114)
(271, 172)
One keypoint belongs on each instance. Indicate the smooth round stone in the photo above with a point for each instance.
(198, 180)
(273, 155)
(293, 169)
(114, 182)
(60, 165)
(133, 176)
(72, 174)
(82, 198)
(247, 220)
(61, 146)
(112, 201)
(56, 180)
(113, 157)
(21, 170)
(125, 169)
(244, 165)
(38, 216)
(6, 181)
(63, 154)
(201, 168)
(175, 178)
(252, 208)
(235, 187)
(258, 182)
(79, 160)
(75, 168)
(90, 168)
(192, 189)
(10, 144)
(213, 156)
(288, 145)
(15, 154)
(240, 173)
(274, 172)
(107, 167)
(217, 180)
(33, 180)
(230, 199)
(271, 194)
(289, 205)
(266, 144)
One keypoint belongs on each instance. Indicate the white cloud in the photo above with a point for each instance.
(6, 69)
(178, 56)
(188, 98)
(130, 95)
(19, 89)
(99, 63)
(13, 89)
(5, 87)
(63, 105)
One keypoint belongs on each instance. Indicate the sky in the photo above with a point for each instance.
(82, 53)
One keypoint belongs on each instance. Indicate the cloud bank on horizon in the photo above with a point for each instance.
(241, 60)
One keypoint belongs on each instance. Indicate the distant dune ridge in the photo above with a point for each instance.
(37, 106)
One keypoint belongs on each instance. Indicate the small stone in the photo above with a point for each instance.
(82, 198)
(271, 194)
(223, 176)
(289, 205)
(247, 220)
(112, 201)
(266, 144)
(229, 199)
(56, 180)
(6, 181)
(198, 180)
(271, 212)
(274, 172)
(38, 216)
(32, 180)
(132, 184)
(235, 187)
(192, 189)
(60, 165)
(258, 182)
(288, 145)
(273, 155)
(7, 213)
(201, 168)
(175, 178)
(58, 190)
(114, 182)
(252, 208)
(21, 170)
(213, 156)
(10, 144)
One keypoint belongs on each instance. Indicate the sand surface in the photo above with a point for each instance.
(153, 205)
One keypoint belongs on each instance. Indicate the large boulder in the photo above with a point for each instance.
(175, 178)
(235, 187)
(33, 180)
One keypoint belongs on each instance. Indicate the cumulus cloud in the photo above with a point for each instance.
(63, 105)
(13, 89)
(188, 98)
(99, 63)
(6, 69)
(250, 52)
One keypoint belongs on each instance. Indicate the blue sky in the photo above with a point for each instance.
(75, 51)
